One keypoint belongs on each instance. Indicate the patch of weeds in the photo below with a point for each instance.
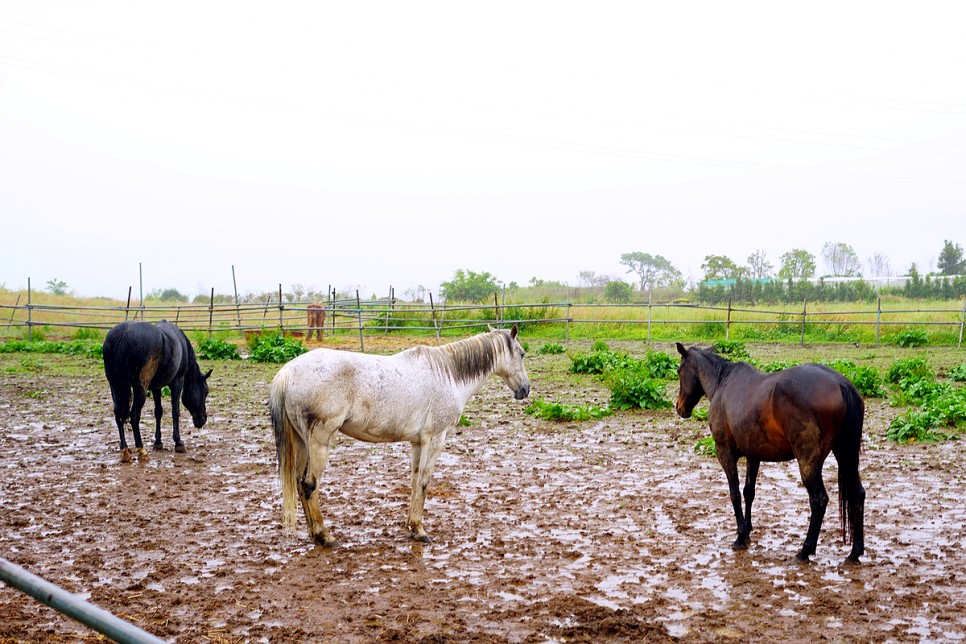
(911, 338)
(866, 379)
(36, 394)
(562, 413)
(550, 349)
(217, 350)
(272, 346)
(732, 349)
(958, 373)
(705, 447)
(915, 368)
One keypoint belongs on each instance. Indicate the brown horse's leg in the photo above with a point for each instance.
(751, 477)
(817, 501)
(852, 500)
(729, 463)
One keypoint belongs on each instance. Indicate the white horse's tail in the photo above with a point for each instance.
(286, 445)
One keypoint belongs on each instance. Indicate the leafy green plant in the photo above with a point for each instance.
(732, 349)
(558, 412)
(661, 365)
(866, 379)
(73, 348)
(779, 365)
(915, 368)
(911, 338)
(700, 414)
(272, 346)
(217, 350)
(958, 373)
(706, 447)
(551, 348)
(631, 388)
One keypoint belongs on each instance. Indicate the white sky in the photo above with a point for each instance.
(365, 145)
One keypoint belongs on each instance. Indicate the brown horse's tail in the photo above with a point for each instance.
(286, 446)
(848, 445)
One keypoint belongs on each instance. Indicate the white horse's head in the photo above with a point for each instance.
(510, 367)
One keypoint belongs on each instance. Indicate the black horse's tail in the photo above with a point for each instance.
(120, 373)
(848, 445)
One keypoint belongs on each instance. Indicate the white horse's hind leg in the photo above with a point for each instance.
(309, 490)
(423, 460)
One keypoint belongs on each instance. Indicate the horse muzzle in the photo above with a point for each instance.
(199, 420)
(682, 411)
(521, 392)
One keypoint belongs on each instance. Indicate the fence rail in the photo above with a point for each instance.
(369, 317)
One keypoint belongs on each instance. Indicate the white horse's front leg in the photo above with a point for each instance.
(423, 460)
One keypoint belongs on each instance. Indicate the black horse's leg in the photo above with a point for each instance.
(817, 501)
(140, 396)
(177, 386)
(122, 411)
(751, 477)
(158, 412)
(729, 463)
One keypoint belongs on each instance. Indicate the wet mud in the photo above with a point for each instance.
(611, 530)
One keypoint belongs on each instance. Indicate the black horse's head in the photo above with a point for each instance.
(195, 394)
(690, 389)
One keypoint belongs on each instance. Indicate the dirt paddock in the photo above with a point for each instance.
(611, 530)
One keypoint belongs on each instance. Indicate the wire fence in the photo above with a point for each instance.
(384, 316)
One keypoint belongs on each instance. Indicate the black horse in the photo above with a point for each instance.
(140, 356)
(803, 412)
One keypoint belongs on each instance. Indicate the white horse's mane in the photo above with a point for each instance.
(470, 359)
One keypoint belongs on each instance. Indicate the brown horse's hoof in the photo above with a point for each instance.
(422, 538)
(126, 455)
(180, 448)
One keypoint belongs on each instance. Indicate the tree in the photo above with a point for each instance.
(841, 260)
(618, 292)
(172, 295)
(717, 267)
(57, 287)
(467, 286)
(591, 278)
(951, 260)
(797, 264)
(758, 266)
(653, 270)
(878, 265)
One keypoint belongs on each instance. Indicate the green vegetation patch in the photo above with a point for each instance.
(273, 346)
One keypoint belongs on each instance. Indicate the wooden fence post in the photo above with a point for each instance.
(127, 309)
(432, 308)
(30, 329)
(650, 300)
(728, 322)
(281, 307)
(211, 311)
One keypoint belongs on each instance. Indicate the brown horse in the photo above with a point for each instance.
(803, 412)
(316, 319)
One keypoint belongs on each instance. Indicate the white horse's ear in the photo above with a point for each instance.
(513, 331)
(490, 327)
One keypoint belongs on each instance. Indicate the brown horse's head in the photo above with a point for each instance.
(690, 389)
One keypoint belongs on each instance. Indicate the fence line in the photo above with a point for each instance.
(386, 315)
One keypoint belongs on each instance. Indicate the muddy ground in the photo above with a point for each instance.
(611, 530)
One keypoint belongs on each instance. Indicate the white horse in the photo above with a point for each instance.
(416, 395)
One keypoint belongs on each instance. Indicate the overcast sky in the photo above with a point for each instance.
(366, 145)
